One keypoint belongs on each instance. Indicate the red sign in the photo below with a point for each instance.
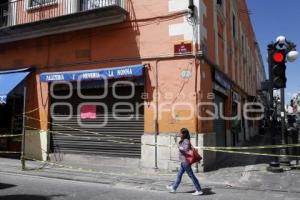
(183, 48)
(88, 112)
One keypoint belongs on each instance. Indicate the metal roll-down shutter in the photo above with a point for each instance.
(117, 138)
(219, 123)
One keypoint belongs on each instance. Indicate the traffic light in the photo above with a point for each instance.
(277, 62)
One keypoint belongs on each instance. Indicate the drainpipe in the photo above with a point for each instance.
(24, 130)
(192, 15)
(197, 110)
(156, 113)
(191, 8)
(191, 4)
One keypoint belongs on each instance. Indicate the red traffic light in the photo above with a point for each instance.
(278, 57)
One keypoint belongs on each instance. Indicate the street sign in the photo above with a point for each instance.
(183, 47)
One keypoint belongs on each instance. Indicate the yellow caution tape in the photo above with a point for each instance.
(84, 131)
(215, 149)
(253, 153)
(86, 137)
(10, 135)
(234, 148)
(28, 112)
(169, 146)
(9, 152)
(255, 147)
(136, 143)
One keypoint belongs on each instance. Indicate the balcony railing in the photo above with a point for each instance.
(17, 12)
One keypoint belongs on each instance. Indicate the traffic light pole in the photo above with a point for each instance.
(274, 166)
(271, 103)
(282, 113)
(278, 54)
(283, 151)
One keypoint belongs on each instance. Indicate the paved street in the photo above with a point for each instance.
(240, 177)
(24, 187)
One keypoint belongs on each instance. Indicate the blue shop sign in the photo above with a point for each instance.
(222, 80)
(107, 73)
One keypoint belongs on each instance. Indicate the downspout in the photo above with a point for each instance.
(195, 32)
(24, 130)
(156, 113)
(197, 110)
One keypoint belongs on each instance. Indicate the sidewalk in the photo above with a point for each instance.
(236, 171)
(251, 177)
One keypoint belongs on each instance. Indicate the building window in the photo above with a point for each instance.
(220, 2)
(94, 4)
(37, 3)
(233, 26)
(221, 10)
(242, 44)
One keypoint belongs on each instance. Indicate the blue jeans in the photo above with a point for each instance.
(184, 167)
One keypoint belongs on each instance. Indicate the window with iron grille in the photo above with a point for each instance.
(36, 3)
(93, 4)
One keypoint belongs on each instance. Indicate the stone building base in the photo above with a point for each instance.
(167, 151)
(37, 144)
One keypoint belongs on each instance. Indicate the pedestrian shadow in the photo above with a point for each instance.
(28, 197)
(5, 186)
(206, 191)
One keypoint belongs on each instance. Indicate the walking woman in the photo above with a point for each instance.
(184, 147)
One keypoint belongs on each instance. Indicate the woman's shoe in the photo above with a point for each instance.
(197, 193)
(171, 189)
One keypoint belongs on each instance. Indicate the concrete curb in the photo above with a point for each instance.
(138, 183)
(225, 179)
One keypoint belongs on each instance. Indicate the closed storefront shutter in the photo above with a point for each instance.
(101, 132)
(219, 123)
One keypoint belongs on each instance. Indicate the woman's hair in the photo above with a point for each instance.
(185, 134)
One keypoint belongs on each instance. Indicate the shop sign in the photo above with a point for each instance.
(222, 80)
(88, 112)
(117, 72)
(220, 89)
(236, 97)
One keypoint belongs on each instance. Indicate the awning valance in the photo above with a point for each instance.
(9, 80)
(98, 74)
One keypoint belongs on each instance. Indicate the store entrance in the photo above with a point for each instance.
(12, 84)
(11, 122)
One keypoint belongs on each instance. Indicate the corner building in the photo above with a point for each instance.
(175, 58)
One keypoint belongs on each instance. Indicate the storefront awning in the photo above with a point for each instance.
(9, 80)
(98, 74)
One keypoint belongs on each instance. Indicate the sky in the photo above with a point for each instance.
(271, 18)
